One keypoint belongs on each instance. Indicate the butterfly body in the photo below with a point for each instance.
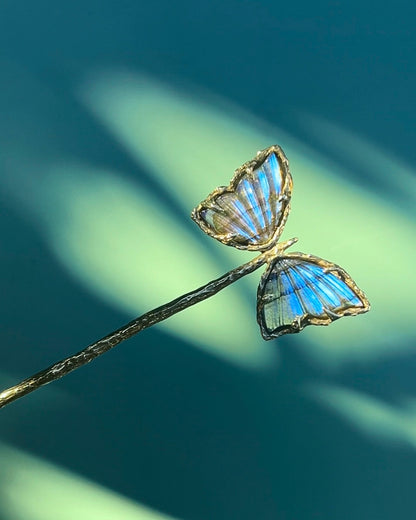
(296, 289)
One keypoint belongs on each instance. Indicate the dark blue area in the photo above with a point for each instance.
(351, 62)
(157, 420)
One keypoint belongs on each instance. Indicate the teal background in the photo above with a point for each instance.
(181, 430)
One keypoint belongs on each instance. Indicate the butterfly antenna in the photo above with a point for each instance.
(285, 245)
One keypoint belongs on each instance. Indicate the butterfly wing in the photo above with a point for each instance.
(250, 213)
(299, 290)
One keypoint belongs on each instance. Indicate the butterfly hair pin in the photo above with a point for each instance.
(296, 289)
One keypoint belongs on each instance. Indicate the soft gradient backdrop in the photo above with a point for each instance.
(116, 118)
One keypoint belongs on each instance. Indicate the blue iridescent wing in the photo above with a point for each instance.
(251, 211)
(299, 290)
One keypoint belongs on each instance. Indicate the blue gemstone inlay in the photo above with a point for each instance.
(232, 226)
(273, 165)
(325, 292)
(286, 284)
(265, 194)
(335, 284)
(312, 302)
(340, 285)
(245, 217)
(295, 305)
(241, 232)
(298, 281)
(254, 203)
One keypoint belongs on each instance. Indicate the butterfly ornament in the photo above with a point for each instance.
(296, 289)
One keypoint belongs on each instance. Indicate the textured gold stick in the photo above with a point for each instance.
(65, 366)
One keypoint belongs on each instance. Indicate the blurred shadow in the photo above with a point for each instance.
(164, 423)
